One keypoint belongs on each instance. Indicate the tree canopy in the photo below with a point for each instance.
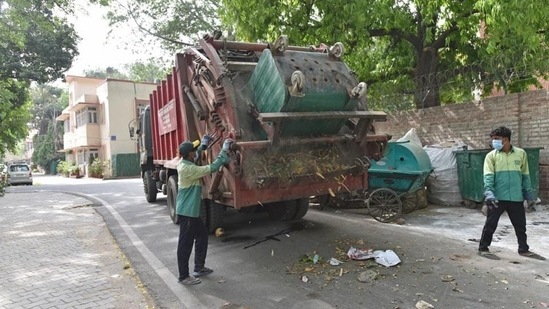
(35, 46)
(422, 49)
(140, 71)
(173, 23)
(47, 103)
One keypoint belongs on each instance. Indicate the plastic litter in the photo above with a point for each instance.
(386, 258)
(315, 259)
(335, 262)
(358, 254)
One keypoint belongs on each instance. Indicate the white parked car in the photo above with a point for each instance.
(19, 174)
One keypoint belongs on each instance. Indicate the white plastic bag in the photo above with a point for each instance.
(386, 258)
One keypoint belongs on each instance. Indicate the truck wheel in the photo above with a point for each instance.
(149, 185)
(302, 208)
(172, 195)
(216, 213)
(289, 210)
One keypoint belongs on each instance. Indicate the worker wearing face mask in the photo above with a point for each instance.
(506, 186)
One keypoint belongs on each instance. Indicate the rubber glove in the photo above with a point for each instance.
(227, 144)
(205, 141)
(490, 199)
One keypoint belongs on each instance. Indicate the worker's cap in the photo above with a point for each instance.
(186, 147)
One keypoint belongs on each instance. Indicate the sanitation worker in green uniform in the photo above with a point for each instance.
(506, 186)
(189, 196)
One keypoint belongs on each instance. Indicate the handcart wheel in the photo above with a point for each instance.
(384, 205)
(410, 202)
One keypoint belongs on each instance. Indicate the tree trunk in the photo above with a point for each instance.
(425, 79)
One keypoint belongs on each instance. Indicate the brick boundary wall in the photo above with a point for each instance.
(526, 114)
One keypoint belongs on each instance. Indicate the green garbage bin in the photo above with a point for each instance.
(533, 167)
(470, 164)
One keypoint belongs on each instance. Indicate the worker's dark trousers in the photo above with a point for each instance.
(191, 229)
(516, 213)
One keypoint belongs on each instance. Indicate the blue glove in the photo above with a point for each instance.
(227, 144)
(490, 199)
(206, 140)
(528, 196)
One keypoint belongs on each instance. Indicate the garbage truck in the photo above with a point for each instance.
(298, 117)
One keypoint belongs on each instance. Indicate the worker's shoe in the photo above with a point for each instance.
(487, 254)
(203, 272)
(190, 280)
(531, 254)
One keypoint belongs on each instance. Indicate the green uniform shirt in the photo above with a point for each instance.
(189, 195)
(507, 175)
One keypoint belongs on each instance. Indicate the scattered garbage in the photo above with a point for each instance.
(386, 258)
(335, 262)
(357, 254)
(447, 278)
(315, 259)
(423, 305)
(305, 279)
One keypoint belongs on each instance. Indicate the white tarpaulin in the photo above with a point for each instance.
(443, 184)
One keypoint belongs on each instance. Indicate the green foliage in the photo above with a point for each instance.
(65, 168)
(14, 114)
(140, 71)
(97, 167)
(48, 103)
(35, 46)
(174, 23)
(3, 182)
(109, 72)
(149, 71)
(400, 48)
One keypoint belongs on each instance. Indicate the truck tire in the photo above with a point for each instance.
(302, 208)
(216, 213)
(172, 195)
(149, 185)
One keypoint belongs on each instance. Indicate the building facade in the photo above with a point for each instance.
(98, 118)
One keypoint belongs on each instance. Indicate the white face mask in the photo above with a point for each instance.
(497, 144)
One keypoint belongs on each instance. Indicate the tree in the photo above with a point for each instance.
(35, 46)
(140, 71)
(148, 71)
(109, 72)
(48, 103)
(174, 23)
(14, 114)
(404, 45)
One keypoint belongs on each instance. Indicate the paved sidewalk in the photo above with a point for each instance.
(56, 252)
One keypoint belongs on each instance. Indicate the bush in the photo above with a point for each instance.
(97, 168)
(65, 168)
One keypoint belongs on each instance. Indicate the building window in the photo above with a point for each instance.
(92, 115)
(79, 120)
(93, 154)
(140, 109)
(81, 157)
(85, 116)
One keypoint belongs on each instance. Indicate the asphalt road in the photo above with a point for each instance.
(437, 247)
